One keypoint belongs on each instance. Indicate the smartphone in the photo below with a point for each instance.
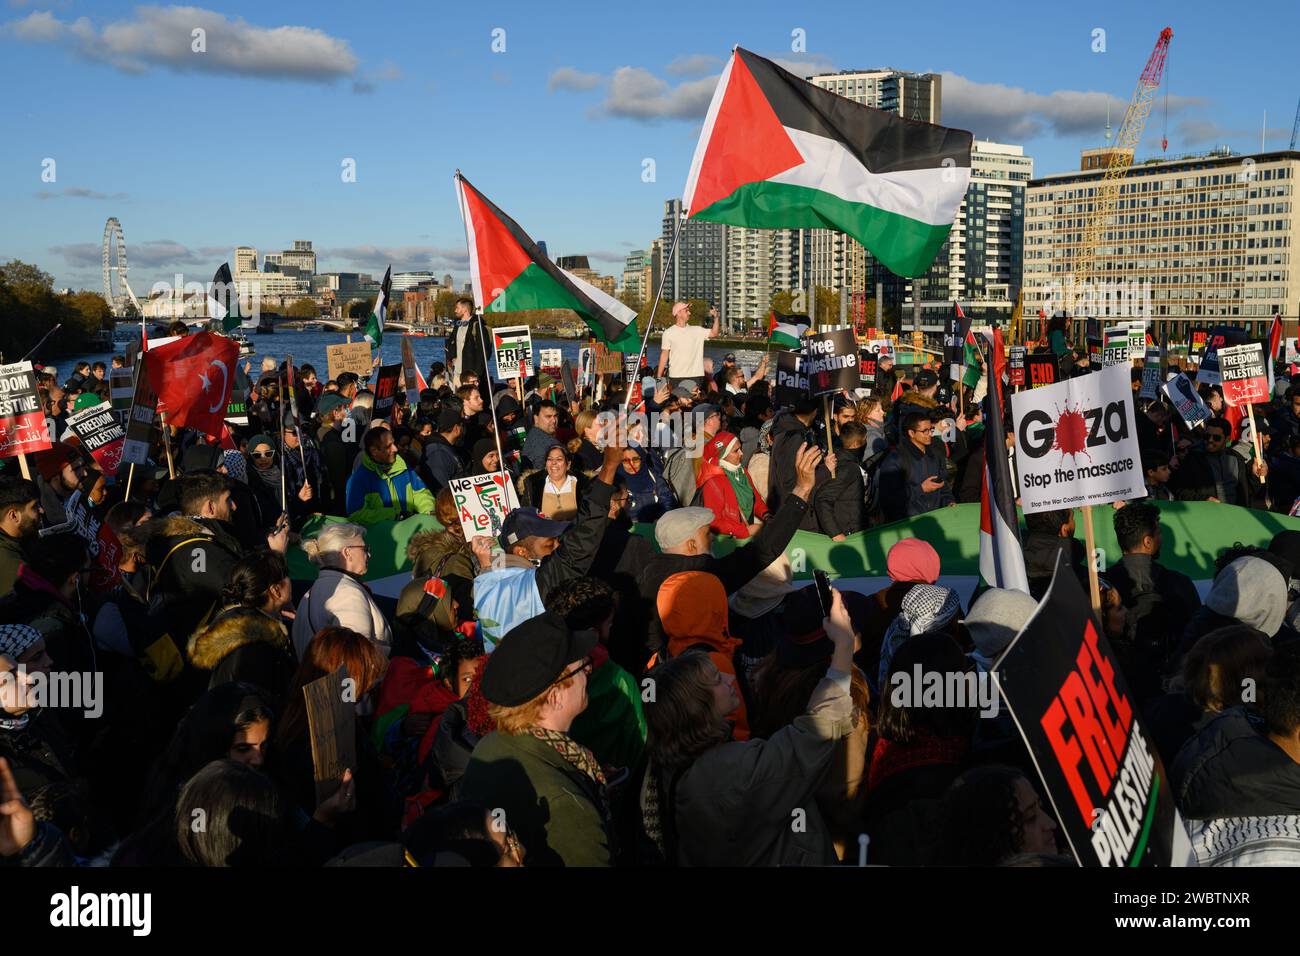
(824, 595)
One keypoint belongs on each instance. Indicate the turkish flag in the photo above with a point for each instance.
(192, 377)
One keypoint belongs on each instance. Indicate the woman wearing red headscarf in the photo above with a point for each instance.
(727, 490)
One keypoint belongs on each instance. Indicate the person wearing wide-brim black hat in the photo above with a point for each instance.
(550, 788)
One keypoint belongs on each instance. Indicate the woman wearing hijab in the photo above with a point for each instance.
(649, 494)
(727, 490)
(909, 562)
(483, 457)
(926, 609)
(264, 476)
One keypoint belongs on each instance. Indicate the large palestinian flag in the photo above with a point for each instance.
(510, 273)
(778, 152)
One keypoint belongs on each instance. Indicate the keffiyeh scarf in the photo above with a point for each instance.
(925, 608)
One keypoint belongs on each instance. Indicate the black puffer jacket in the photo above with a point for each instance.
(1041, 551)
(245, 645)
(1231, 769)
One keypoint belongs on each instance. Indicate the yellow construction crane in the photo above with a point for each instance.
(1121, 159)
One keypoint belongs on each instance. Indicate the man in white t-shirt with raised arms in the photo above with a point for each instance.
(681, 348)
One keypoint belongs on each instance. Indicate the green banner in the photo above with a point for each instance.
(1193, 534)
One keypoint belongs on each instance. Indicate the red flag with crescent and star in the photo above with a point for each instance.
(193, 376)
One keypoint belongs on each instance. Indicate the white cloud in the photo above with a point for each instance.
(163, 36)
(151, 254)
(636, 93)
(1012, 114)
(78, 192)
(567, 78)
(402, 258)
(1194, 131)
(693, 64)
(804, 65)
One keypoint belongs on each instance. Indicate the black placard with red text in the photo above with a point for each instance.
(1103, 775)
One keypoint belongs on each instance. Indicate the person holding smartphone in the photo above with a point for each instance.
(681, 347)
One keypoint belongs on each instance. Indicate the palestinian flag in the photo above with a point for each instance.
(1002, 559)
(1271, 347)
(778, 152)
(786, 331)
(510, 273)
(375, 324)
(223, 303)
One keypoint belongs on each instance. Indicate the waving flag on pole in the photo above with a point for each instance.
(509, 272)
(1002, 559)
(778, 152)
(193, 376)
(786, 331)
(223, 303)
(1274, 342)
(375, 324)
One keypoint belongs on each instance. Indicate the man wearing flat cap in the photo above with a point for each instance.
(532, 776)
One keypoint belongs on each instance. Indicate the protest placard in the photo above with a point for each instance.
(1096, 353)
(1016, 356)
(410, 375)
(831, 361)
(1153, 375)
(121, 383)
(332, 730)
(386, 391)
(1099, 765)
(1116, 349)
(1291, 350)
(868, 366)
(22, 420)
(1215, 339)
(348, 357)
(512, 345)
(550, 359)
(1092, 329)
(1243, 375)
(884, 348)
(1076, 442)
(1137, 339)
(482, 502)
(1196, 342)
(105, 573)
(791, 380)
(100, 432)
(1182, 393)
(139, 424)
(570, 386)
(1041, 370)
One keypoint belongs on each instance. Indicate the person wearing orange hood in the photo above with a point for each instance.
(693, 611)
(727, 490)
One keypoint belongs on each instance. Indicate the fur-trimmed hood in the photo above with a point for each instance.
(425, 548)
(233, 628)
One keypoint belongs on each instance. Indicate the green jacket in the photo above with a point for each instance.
(11, 556)
(613, 725)
(551, 805)
(375, 494)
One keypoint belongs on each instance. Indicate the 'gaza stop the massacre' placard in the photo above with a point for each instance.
(1076, 442)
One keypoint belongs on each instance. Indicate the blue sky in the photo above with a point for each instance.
(243, 143)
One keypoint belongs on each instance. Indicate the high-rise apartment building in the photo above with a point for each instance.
(634, 276)
(983, 255)
(1209, 237)
(245, 259)
(696, 271)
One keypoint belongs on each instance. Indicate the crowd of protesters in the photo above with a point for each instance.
(600, 683)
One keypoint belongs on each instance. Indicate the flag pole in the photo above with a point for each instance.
(167, 445)
(492, 405)
(279, 434)
(296, 429)
(1090, 541)
(663, 280)
(1254, 436)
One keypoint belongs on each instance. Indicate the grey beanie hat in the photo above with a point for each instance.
(996, 617)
